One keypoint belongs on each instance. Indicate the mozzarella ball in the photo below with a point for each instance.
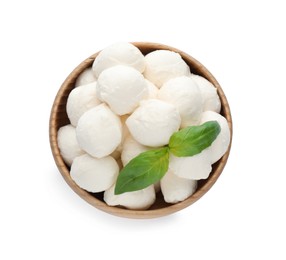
(175, 189)
(122, 88)
(86, 77)
(68, 144)
(221, 143)
(131, 149)
(192, 167)
(80, 100)
(121, 53)
(138, 200)
(99, 131)
(185, 95)
(153, 122)
(152, 90)
(163, 65)
(211, 101)
(92, 174)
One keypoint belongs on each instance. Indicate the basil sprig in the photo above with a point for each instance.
(149, 167)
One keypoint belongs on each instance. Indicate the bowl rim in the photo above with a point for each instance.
(119, 211)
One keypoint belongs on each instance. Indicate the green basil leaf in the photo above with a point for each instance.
(143, 170)
(193, 139)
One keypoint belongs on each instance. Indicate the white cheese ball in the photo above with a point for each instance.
(175, 189)
(122, 88)
(131, 149)
(86, 77)
(99, 131)
(68, 144)
(92, 174)
(121, 53)
(221, 143)
(185, 95)
(163, 65)
(80, 100)
(152, 90)
(195, 167)
(137, 200)
(153, 122)
(211, 101)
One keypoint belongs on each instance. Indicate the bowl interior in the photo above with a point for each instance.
(59, 118)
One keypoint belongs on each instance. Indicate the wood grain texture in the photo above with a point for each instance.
(58, 118)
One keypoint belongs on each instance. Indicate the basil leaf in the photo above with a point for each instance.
(143, 170)
(193, 139)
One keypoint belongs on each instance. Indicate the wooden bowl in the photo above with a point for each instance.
(59, 118)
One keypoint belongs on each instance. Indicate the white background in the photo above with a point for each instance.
(241, 42)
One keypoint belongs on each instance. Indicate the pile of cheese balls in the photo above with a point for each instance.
(128, 103)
